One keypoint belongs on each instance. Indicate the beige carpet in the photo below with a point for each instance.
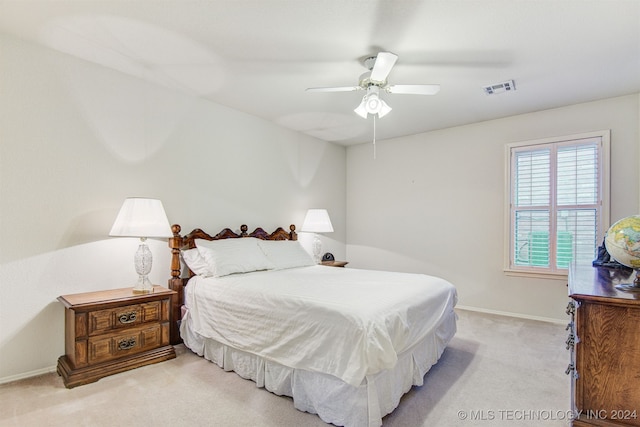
(497, 371)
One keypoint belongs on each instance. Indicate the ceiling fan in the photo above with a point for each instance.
(374, 81)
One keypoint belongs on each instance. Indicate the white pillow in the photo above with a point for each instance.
(234, 255)
(286, 253)
(196, 262)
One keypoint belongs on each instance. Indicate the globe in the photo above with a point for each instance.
(623, 244)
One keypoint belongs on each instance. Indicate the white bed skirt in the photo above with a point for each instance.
(333, 400)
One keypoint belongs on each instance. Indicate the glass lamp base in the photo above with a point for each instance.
(317, 248)
(144, 286)
(143, 261)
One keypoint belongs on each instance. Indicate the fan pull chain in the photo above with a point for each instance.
(374, 136)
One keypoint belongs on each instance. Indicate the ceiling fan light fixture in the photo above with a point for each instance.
(375, 80)
(372, 104)
(384, 109)
(361, 110)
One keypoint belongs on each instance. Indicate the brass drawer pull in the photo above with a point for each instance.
(126, 344)
(570, 341)
(571, 308)
(570, 368)
(128, 317)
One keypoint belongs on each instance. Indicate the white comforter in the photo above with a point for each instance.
(348, 323)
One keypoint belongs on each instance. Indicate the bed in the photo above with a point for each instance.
(343, 343)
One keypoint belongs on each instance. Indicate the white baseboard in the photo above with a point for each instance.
(29, 374)
(510, 314)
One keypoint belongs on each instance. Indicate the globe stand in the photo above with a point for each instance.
(631, 287)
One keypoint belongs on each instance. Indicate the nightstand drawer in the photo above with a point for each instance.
(126, 343)
(123, 317)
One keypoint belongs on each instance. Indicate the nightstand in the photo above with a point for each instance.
(334, 263)
(112, 331)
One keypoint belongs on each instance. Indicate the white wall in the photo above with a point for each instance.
(76, 139)
(433, 203)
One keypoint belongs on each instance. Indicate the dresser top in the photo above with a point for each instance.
(599, 283)
(110, 296)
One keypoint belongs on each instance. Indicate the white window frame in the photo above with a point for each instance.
(603, 212)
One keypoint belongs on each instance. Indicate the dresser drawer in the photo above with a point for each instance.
(123, 317)
(113, 346)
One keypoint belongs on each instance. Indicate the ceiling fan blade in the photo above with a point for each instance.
(333, 89)
(414, 89)
(382, 67)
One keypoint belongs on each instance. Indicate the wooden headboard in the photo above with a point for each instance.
(178, 243)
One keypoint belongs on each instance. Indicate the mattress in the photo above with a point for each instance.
(363, 337)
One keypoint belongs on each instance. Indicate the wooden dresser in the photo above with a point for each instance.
(605, 347)
(112, 331)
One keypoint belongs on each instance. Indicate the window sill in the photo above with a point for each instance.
(538, 275)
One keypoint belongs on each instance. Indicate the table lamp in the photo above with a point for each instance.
(143, 218)
(317, 221)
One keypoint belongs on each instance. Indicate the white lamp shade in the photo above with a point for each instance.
(317, 221)
(139, 217)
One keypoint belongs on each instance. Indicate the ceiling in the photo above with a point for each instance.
(258, 56)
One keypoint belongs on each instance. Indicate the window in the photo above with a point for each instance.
(558, 202)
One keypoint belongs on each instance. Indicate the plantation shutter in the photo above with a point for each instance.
(577, 202)
(532, 206)
(555, 204)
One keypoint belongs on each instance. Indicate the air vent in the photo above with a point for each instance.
(508, 86)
